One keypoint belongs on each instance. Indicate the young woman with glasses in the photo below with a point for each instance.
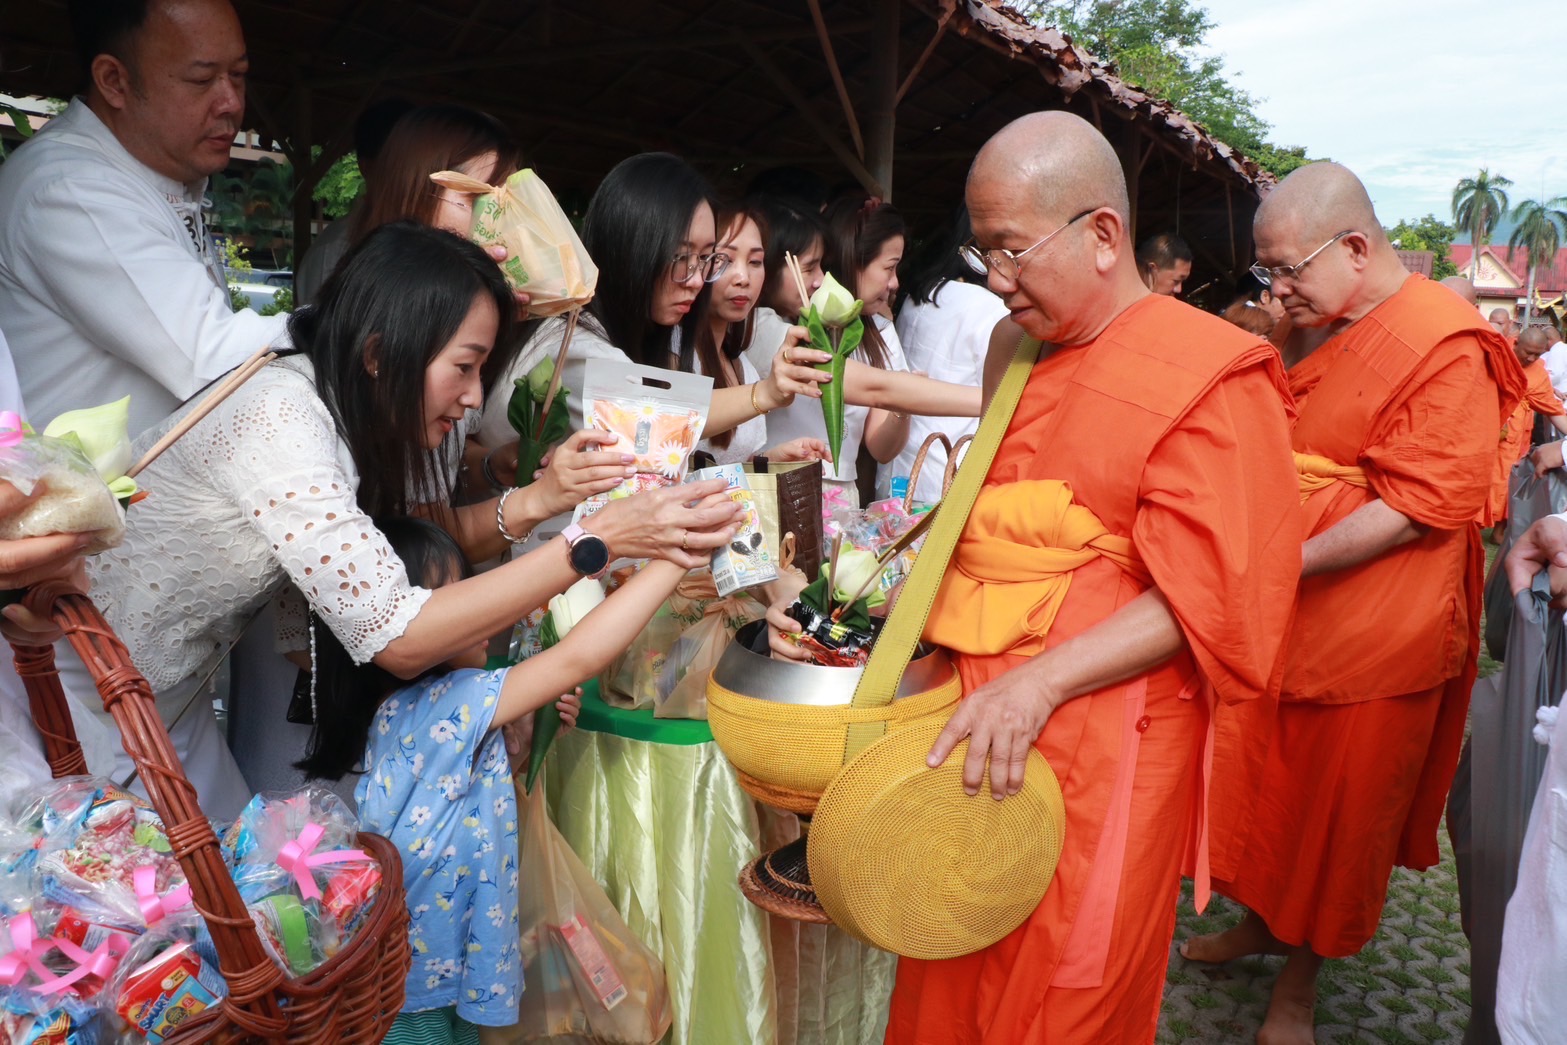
(650, 228)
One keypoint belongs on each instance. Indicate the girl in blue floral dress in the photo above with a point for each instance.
(437, 782)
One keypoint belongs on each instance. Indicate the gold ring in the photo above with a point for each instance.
(787, 357)
(683, 536)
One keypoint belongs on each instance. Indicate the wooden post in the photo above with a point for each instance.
(882, 94)
(1132, 166)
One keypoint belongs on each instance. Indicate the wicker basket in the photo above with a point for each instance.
(351, 999)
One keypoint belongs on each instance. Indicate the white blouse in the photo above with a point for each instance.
(260, 493)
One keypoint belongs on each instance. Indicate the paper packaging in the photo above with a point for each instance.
(592, 962)
(174, 987)
(659, 416)
(745, 561)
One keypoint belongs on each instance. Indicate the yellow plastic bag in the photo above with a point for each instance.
(544, 255)
(586, 976)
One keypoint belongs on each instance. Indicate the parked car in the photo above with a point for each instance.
(260, 286)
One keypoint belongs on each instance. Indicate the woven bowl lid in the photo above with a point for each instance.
(904, 860)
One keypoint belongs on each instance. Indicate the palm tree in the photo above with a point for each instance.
(1539, 231)
(1477, 204)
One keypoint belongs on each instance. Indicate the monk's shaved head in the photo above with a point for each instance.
(1500, 315)
(1464, 288)
(1321, 199)
(1065, 163)
(1531, 345)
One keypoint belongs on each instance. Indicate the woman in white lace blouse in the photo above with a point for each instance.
(279, 485)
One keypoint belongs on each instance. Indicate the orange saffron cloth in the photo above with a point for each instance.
(1539, 398)
(1171, 428)
(1359, 753)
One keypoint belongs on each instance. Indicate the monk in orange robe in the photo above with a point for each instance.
(1132, 558)
(1539, 398)
(1395, 441)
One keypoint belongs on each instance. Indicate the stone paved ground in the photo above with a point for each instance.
(1410, 985)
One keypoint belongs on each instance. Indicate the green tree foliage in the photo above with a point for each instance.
(20, 120)
(1428, 233)
(258, 207)
(1156, 44)
(340, 186)
(1539, 232)
(1478, 203)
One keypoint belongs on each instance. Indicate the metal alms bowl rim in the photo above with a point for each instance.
(742, 670)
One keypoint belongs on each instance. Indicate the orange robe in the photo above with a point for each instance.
(1172, 429)
(1539, 398)
(1361, 752)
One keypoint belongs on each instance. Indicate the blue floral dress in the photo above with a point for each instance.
(440, 787)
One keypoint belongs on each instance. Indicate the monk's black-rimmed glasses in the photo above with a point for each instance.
(1006, 263)
(1266, 275)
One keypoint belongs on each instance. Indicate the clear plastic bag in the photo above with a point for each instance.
(73, 499)
(33, 1019)
(167, 977)
(589, 979)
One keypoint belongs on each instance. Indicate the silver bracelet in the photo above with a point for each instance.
(500, 517)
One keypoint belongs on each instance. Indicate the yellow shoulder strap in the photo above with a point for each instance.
(890, 655)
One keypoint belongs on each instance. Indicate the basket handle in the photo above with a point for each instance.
(901, 634)
(253, 979)
(919, 464)
(951, 471)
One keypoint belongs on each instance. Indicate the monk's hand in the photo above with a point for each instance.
(1547, 456)
(1542, 546)
(1001, 719)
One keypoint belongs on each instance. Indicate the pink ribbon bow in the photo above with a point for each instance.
(155, 908)
(31, 949)
(27, 952)
(298, 858)
(11, 427)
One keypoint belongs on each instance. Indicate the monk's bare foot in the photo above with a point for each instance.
(1251, 936)
(1291, 1018)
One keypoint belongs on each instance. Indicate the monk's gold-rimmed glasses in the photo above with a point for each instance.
(1006, 263)
(1267, 275)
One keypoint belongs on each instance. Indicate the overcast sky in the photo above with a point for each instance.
(1410, 96)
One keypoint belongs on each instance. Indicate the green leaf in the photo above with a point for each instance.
(853, 334)
(519, 409)
(557, 423)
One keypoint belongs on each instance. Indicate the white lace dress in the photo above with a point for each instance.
(259, 494)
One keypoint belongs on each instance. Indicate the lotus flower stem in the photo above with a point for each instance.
(893, 551)
(832, 568)
(560, 368)
(229, 386)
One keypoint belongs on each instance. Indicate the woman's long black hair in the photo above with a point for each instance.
(791, 228)
(397, 298)
(632, 229)
(347, 694)
(938, 261)
(857, 228)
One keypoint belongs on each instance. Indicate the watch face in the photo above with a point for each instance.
(589, 556)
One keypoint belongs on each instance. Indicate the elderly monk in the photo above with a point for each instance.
(1502, 322)
(1539, 398)
(1133, 555)
(1395, 440)
(1463, 287)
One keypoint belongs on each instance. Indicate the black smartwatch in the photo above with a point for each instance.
(588, 553)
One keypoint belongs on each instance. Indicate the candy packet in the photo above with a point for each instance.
(27, 1018)
(167, 977)
(659, 416)
(745, 561)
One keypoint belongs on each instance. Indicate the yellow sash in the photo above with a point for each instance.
(1013, 567)
(1317, 473)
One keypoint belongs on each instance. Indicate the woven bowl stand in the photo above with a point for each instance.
(351, 999)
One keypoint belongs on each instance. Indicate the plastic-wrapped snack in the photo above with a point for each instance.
(112, 864)
(33, 1019)
(74, 499)
(166, 978)
(306, 887)
(745, 562)
(659, 416)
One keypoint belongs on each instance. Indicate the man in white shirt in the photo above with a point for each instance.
(1555, 357)
(108, 283)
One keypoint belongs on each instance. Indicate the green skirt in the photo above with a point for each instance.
(432, 1027)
